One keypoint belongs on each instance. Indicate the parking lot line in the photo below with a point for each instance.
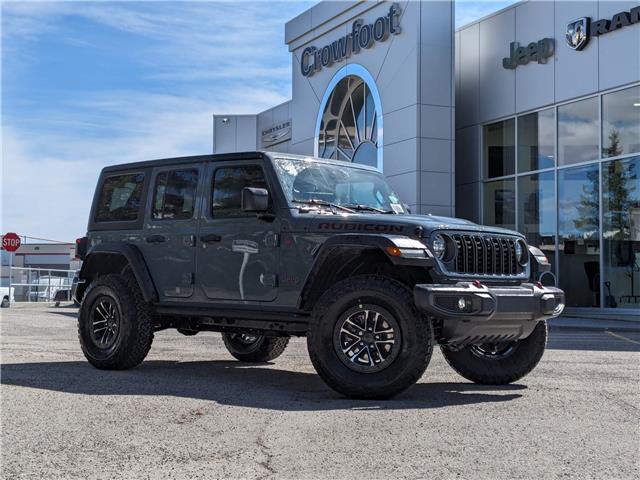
(622, 337)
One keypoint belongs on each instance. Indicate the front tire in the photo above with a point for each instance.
(115, 324)
(254, 348)
(499, 364)
(367, 340)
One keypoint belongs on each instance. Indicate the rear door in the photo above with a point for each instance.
(238, 254)
(170, 229)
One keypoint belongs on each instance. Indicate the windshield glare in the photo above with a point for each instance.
(308, 181)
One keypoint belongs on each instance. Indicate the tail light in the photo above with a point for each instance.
(81, 247)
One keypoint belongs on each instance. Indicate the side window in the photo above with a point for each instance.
(228, 183)
(175, 194)
(120, 198)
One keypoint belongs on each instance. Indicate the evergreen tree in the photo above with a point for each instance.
(587, 223)
(613, 150)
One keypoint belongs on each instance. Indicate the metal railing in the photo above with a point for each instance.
(41, 284)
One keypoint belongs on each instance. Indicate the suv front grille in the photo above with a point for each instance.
(485, 255)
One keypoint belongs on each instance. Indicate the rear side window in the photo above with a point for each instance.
(175, 194)
(120, 198)
(228, 183)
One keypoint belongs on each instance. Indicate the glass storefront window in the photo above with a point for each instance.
(582, 201)
(578, 132)
(621, 122)
(536, 140)
(499, 203)
(537, 211)
(621, 232)
(348, 129)
(499, 149)
(578, 235)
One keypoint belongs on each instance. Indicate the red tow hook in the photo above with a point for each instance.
(539, 285)
(477, 283)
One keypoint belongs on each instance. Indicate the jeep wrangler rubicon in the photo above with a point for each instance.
(264, 246)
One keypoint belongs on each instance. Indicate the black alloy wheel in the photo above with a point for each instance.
(367, 338)
(105, 322)
(494, 351)
(115, 324)
(249, 347)
(499, 363)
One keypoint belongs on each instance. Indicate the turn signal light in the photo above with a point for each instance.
(394, 251)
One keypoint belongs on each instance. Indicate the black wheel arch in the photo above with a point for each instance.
(106, 258)
(343, 256)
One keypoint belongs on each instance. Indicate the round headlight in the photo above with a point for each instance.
(439, 245)
(521, 252)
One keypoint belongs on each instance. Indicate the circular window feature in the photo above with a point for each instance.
(349, 127)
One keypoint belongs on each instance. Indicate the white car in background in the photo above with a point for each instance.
(7, 298)
(45, 288)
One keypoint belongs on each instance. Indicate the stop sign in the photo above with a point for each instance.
(11, 242)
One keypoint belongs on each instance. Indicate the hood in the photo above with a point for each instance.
(396, 224)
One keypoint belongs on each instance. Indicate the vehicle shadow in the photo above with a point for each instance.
(73, 314)
(237, 384)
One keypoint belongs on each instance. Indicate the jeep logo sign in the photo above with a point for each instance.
(361, 37)
(534, 52)
(580, 30)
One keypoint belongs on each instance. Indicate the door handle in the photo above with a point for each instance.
(156, 239)
(210, 238)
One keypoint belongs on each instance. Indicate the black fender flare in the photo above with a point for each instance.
(380, 242)
(133, 259)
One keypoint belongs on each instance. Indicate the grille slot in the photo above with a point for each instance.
(485, 255)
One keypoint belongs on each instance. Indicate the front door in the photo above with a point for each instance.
(237, 254)
(171, 227)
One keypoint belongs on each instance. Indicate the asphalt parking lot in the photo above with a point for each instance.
(190, 411)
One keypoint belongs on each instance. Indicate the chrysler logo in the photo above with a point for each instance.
(577, 35)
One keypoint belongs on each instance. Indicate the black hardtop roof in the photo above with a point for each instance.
(182, 160)
(220, 157)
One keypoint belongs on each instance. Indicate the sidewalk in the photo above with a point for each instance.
(573, 322)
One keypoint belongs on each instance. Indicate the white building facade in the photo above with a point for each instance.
(376, 98)
(527, 119)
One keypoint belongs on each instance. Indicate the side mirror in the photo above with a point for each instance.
(255, 199)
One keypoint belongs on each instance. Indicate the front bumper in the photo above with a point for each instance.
(476, 313)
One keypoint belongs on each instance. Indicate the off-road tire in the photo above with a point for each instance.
(416, 337)
(264, 349)
(5, 302)
(500, 371)
(135, 333)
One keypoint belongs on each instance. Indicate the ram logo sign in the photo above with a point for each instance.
(577, 35)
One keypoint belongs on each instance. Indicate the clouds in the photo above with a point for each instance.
(49, 173)
(87, 84)
(91, 84)
(471, 10)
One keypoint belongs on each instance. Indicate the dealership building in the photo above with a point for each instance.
(527, 119)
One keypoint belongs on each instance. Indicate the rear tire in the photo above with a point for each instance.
(115, 324)
(367, 340)
(5, 302)
(254, 348)
(499, 364)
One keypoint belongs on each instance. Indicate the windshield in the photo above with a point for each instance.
(315, 183)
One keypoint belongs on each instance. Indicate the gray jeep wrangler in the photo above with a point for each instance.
(263, 246)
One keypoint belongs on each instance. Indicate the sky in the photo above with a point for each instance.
(90, 84)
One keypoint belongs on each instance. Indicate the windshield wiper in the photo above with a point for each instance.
(367, 208)
(324, 203)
